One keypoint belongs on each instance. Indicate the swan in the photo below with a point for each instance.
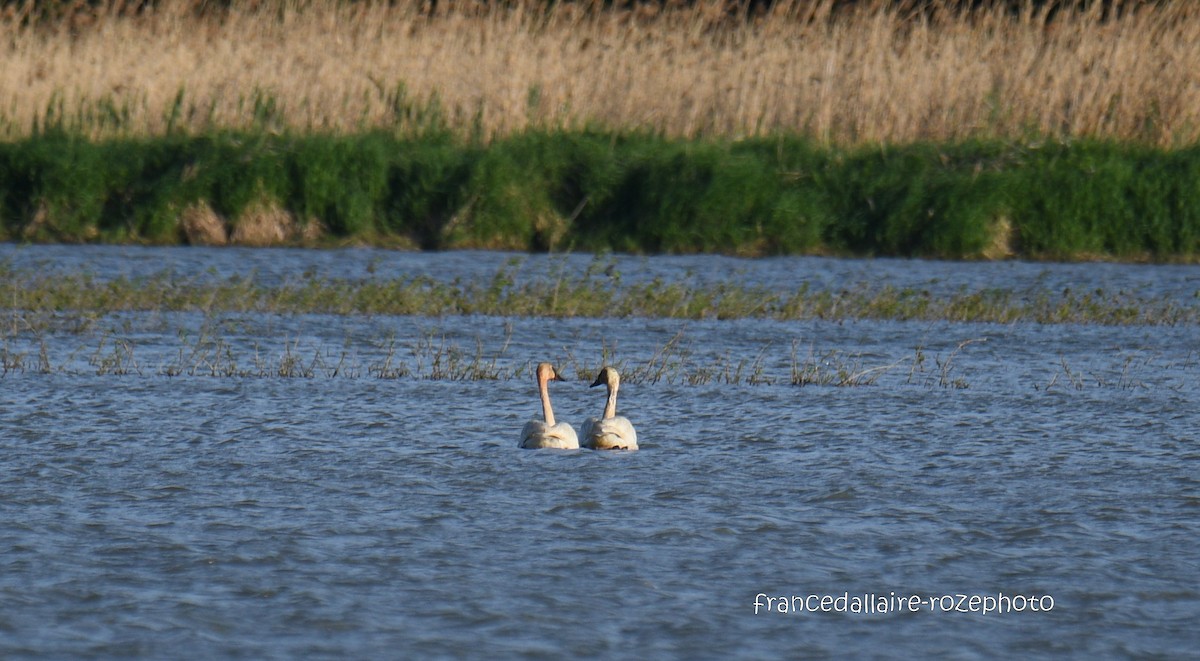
(546, 433)
(612, 432)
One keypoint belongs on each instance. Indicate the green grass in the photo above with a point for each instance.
(627, 192)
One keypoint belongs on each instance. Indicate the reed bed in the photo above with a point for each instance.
(881, 72)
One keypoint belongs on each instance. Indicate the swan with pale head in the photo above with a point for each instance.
(547, 433)
(611, 432)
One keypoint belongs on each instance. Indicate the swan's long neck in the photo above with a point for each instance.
(610, 407)
(547, 411)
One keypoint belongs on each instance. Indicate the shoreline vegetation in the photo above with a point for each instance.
(591, 191)
(834, 71)
(1009, 130)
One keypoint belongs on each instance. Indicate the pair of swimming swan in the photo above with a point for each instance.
(611, 432)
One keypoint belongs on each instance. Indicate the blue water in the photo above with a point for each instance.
(343, 515)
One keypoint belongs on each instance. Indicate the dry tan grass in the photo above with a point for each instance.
(262, 223)
(875, 74)
(203, 226)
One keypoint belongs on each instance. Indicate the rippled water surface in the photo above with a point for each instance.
(344, 515)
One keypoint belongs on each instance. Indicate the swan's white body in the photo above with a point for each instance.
(615, 433)
(547, 433)
(612, 432)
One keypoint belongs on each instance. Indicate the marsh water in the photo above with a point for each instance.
(163, 495)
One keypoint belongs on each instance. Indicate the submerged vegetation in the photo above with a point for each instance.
(219, 350)
(34, 299)
(202, 325)
(595, 191)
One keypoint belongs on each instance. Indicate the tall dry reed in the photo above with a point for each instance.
(874, 74)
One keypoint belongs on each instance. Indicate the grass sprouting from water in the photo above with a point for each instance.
(218, 351)
(65, 301)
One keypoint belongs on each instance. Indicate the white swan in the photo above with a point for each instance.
(612, 432)
(546, 433)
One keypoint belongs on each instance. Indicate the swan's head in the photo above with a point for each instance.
(546, 372)
(607, 377)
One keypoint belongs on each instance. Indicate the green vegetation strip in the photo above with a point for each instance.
(39, 299)
(593, 191)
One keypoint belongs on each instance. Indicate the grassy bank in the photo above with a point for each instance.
(592, 190)
(874, 130)
(876, 72)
